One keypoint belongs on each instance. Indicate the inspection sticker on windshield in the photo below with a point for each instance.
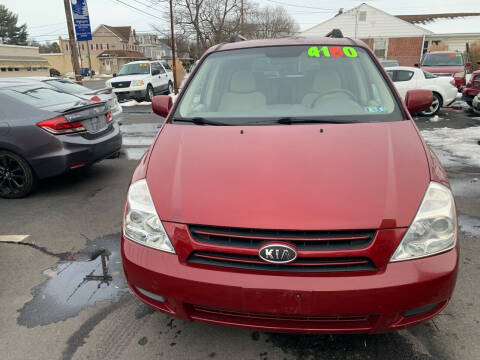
(332, 51)
(376, 109)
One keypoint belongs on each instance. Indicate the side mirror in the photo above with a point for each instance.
(417, 65)
(114, 74)
(161, 105)
(468, 63)
(478, 62)
(419, 100)
(155, 72)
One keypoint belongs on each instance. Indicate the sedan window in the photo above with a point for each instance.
(39, 96)
(68, 86)
(403, 75)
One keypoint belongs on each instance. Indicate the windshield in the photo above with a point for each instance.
(452, 59)
(134, 69)
(68, 86)
(255, 85)
(39, 97)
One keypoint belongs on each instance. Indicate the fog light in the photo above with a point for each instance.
(420, 310)
(150, 295)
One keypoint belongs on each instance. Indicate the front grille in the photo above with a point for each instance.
(301, 264)
(208, 311)
(302, 240)
(121, 84)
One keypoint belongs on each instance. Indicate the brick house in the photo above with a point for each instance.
(390, 37)
(104, 38)
(403, 37)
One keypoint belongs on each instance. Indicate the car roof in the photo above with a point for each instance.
(289, 41)
(411, 68)
(142, 62)
(443, 52)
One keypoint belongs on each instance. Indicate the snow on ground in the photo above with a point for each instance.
(455, 147)
(135, 103)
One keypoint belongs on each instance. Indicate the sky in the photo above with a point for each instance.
(46, 18)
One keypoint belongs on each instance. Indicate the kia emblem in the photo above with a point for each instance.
(277, 253)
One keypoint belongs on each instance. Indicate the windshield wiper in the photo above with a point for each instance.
(202, 121)
(292, 120)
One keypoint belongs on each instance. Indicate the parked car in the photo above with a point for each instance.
(472, 88)
(301, 202)
(54, 72)
(141, 80)
(103, 95)
(389, 63)
(476, 104)
(446, 63)
(409, 78)
(45, 132)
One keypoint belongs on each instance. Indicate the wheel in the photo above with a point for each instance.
(170, 87)
(436, 104)
(149, 93)
(16, 176)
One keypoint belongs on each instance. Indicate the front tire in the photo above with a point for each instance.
(170, 88)
(436, 105)
(17, 179)
(149, 93)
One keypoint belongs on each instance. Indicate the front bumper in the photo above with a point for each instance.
(130, 93)
(66, 152)
(324, 303)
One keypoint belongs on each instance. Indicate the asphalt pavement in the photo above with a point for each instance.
(51, 309)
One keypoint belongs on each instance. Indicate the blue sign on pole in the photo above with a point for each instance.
(81, 20)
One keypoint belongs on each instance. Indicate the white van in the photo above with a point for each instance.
(141, 80)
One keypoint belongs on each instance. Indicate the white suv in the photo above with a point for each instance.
(141, 80)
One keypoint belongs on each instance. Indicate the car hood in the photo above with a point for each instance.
(127, 78)
(348, 176)
(443, 69)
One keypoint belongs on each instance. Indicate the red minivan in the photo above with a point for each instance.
(289, 190)
(446, 63)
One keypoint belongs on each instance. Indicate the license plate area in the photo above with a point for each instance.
(95, 124)
(278, 302)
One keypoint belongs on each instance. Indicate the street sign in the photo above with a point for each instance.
(81, 20)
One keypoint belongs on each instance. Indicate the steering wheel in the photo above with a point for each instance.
(334, 91)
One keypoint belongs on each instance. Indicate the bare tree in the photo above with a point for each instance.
(209, 22)
(270, 22)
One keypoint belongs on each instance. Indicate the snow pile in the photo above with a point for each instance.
(135, 103)
(455, 147)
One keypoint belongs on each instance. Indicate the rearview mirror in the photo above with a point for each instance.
(161, 105)
(419, 100)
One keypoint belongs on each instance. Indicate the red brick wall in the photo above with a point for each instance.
(406, 50)
(369, 43)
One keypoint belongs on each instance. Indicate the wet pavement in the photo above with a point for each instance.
(57, 300)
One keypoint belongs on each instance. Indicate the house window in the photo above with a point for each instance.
(362, 16)
(380, 48)
(4, 69)
(425, 47)
(83, 47)
(91, 46)
(108, 46)
(66, 46)
(96, 46)
(17, 69)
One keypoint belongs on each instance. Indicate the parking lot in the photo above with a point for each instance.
(57, 302)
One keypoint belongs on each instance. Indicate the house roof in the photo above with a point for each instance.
(122, 54)
(123, 32)
(16, 58)
(428, 18)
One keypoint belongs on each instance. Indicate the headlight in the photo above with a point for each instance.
(137, 83)
(141, 223)
(460, 74)
(434, 228)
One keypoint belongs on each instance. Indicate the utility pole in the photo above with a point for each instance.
(174, 59)
(89, 60)
(241, 16)
(72, 42)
